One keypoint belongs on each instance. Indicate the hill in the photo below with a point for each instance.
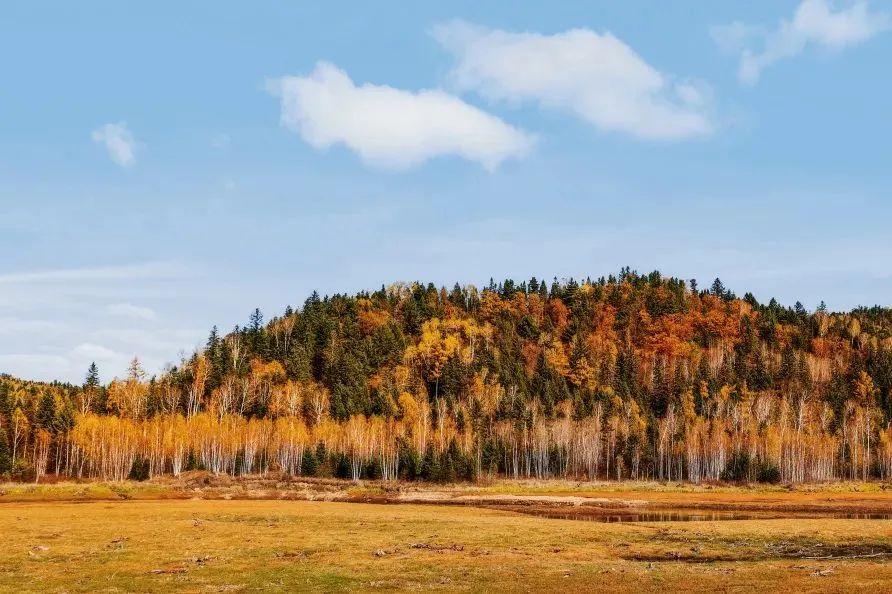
(632, 376)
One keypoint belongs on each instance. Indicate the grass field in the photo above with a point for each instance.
(163, 545)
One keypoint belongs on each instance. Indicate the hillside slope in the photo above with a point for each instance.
(635, 376)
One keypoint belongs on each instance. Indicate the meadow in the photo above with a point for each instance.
(162, 538)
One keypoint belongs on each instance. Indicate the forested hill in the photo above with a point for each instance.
(630, 376)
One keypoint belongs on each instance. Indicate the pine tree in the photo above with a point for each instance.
(92, 379)
(256, 320)
(5, 453)
(5, 401)
(46, 412)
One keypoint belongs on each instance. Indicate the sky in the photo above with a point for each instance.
(170, 166)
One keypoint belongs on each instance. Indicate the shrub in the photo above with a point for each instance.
(140, 470)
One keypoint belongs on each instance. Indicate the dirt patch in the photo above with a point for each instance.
(685, 558)
(438, 548)
(768, 551)
(817, 551)
(631, 514)
(546, 500)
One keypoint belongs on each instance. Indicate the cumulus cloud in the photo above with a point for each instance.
(118, 141)
(595, 76)
(390, 127)
(128, 310)
(815, 23)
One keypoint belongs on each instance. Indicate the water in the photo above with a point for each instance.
(693, 515)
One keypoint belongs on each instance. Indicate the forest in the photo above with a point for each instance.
(626, 377)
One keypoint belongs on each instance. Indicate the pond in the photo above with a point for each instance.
(605, 515)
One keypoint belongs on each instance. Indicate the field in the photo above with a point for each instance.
(155, 538)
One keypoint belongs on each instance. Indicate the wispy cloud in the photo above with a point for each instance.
(56, 322)
(96, 353)
(128, 310)
(595, 76)
(12, 327)
(390, 127)
(118, 141)
(35, 365)
(70, 365)
(146, 270)
(815, 23)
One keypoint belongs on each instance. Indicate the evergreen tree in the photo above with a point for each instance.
(46, 412)
(5, 453)
(91, 382)
(256, 320)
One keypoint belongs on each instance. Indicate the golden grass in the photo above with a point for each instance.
(558, 486)
(87, 491)
(168, 487)
(284, 546)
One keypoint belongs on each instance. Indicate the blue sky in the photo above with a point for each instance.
(170, 166)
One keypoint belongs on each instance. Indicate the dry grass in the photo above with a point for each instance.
(87, 491)
(582, 487)
(199, 546)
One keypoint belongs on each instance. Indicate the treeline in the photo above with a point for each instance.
(630, 376)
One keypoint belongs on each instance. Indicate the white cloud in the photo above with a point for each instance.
(155, 342)
(35, 366)
(55, 322)
(94, 351)
(595, 76)
(14, 327)
(391, 127)
(734, 38)
(118, 141)
(815, 22)
(146, 270)
(109, 361)
(128, 310)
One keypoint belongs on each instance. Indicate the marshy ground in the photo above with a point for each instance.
(200, 536)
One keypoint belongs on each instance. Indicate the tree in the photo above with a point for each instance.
(5, 453)
(19, 432)
(46, 412)
(718, 289)
(92, 378)
(129, 397)
(90, 391)
(256, 321)
(200, 369)
(434, 348)
(627, 376)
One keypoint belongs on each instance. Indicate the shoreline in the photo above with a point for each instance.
(539, 497)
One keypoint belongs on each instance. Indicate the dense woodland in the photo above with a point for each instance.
(627, 377)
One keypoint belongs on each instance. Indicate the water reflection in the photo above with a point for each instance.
(623, 516)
